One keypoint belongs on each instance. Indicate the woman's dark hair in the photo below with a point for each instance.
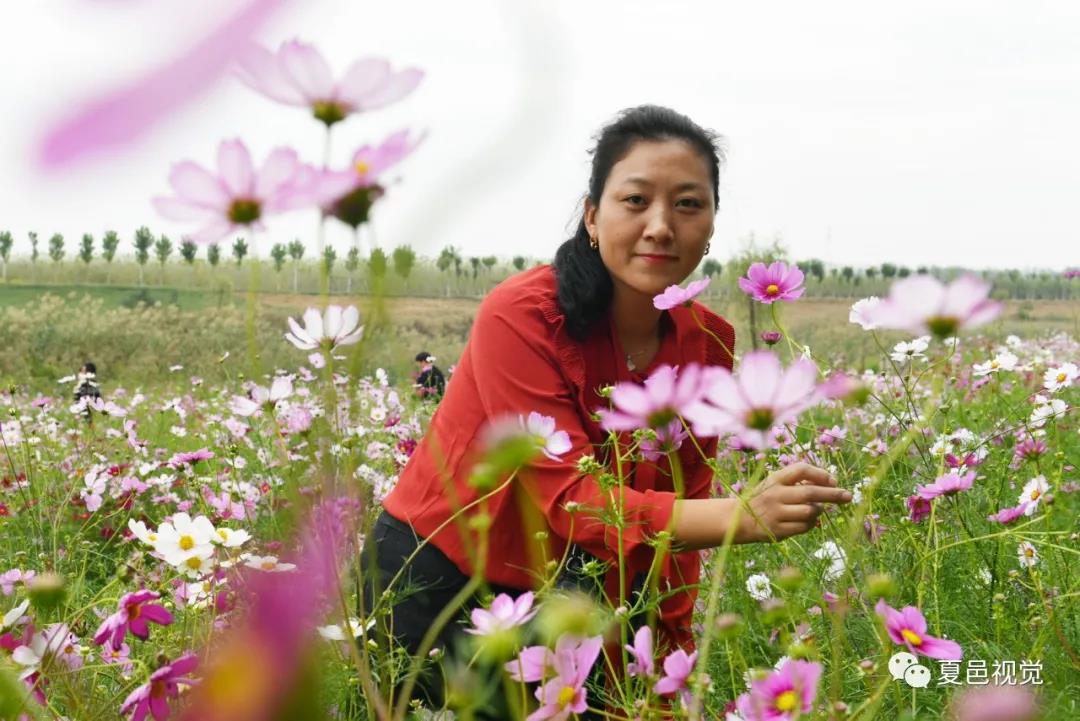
(583, 281)
(89, 367)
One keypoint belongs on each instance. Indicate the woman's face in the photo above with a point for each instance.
(655, 216)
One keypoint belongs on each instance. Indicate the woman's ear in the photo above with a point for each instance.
(589, 217)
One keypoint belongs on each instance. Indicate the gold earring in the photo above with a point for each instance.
(708, 247)
(594, 243)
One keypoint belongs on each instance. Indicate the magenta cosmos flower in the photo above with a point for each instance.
(505, 614)
(777, 281)
(908, 627)
(751, 405)
(362, 179)
(1008, 515)
(946, 485)
(152, 697)
(666, 394)
(674, 295)
(298, 74)
(134, 614)
(239, 195)
(785, 694)
(923, 304)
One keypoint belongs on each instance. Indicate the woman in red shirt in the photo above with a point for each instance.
(547, 340)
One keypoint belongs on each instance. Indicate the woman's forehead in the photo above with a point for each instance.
(666, 162)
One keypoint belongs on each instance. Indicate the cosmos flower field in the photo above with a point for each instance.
(196, 555)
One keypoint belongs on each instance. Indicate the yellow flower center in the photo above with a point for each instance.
(362, 167)
(911, 637)
(1061, 377)
(187, 543)
(269, 565)
(152, 537)
(223, 533)
(1029, 552)
(772, 289)
(194, 563)
(995, 364)
(566, 695)
(787, 701)
(1035, 494)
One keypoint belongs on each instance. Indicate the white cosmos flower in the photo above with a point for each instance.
(266, 563)
(334, 327)
(183, 536)
(836, 557)
(43, 644)
(350, 629)
(144, 534)
(1033, 493)
(910, 350)
(1050, 409)
(862, 312)
(12, 616)
(194, 563)
(759, 587)
(230, 538)
(1027, 554)
(1004, 361)
(261, 396)
(1061, 377)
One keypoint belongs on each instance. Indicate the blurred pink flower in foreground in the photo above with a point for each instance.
(752, 404)
(908, 627)
(923, 304)
(336, 326)
(674, 296)
(298, 74)
(666, 394)
(121, 116)
(361, 179)
(238, 195)
(776, 281)
(784, 694)
(995, 703)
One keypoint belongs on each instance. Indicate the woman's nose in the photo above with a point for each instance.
(659, 228)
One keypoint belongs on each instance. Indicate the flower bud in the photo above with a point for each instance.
(574, 613)
(729, 625)
(880, 585)
(47, 592)
(789, 578)
(771, 337)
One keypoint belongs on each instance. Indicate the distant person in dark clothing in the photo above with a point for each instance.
(430, 381)
(86, 385)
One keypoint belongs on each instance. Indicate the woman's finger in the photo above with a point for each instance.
(803, 472)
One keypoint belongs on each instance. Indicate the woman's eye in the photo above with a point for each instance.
(635, 199)
(690, 202)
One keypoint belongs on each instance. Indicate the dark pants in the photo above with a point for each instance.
(428, 585)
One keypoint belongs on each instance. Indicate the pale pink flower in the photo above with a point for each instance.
(777, 281)
(262, 397)
(785, 694)
(908, 627)
(336, 326)
(754, 403)
(995, 703)
(642, 651)
(862, 312)
(505, 613)
(362, 179)
(565, 693)
(923, 304)
(666, 394)
(946, 485)
(298, 74)
(674, 295)
(677, 669)
(668, 439)
(1008, 515)
(532, 664)
(239, 195)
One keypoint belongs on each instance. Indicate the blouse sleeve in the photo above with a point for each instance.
(516, 369)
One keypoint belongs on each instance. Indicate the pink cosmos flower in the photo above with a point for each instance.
(995, 703)
(667, 393)
(119, 656)
(677, 669)
(133, 614)
(336, 326)
(362, 178)
(832, 436)
(532, 664)
(754, 403)
(565, 693)
(553, 443)
(505, 613)
(238, 195)
(908, 627)
(8, 579)
(297, 74)
(946, 485)
(919, 508)
(642, 651)
(674, 296)
(923, 304)
(189, 458)
(771, 337)
(122, 115)
(669, 438)
(768, 284)
(152, 697)
(1008, 515)
(785, 694)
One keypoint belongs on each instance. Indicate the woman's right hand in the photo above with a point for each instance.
(788, 502)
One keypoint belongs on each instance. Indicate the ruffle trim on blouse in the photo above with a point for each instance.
(568, 352)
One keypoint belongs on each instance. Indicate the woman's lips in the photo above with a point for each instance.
(657, 257)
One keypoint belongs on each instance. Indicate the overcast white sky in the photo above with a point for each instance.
(921, 132)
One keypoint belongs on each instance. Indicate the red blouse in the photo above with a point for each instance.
(519, 358)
